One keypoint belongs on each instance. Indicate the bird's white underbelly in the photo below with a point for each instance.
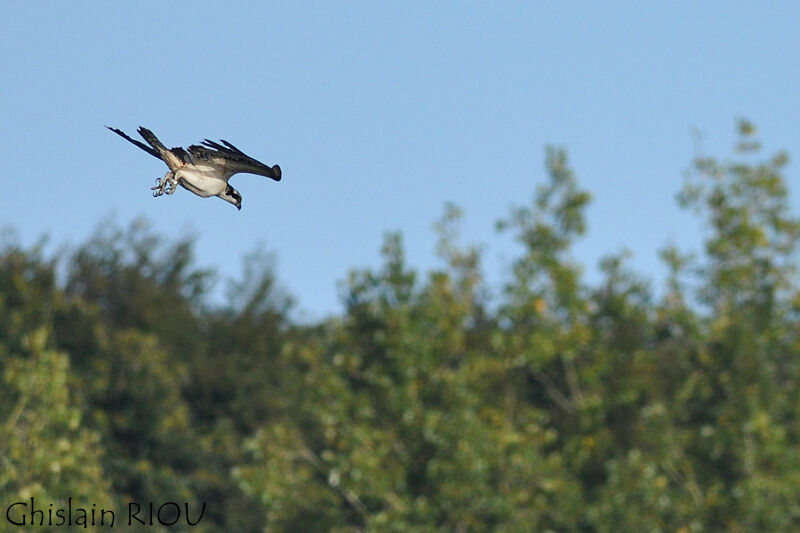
(202, 180)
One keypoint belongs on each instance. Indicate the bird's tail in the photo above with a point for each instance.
(172, 161)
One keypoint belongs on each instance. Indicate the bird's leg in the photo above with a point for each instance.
(161, 184)
(173, 182)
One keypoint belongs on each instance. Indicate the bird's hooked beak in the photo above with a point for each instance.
(232, 196)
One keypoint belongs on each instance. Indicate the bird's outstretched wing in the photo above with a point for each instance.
(174, 158)
(226, 156)
(140, 144)
(234, 159)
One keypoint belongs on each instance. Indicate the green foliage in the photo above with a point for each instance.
(434, 402)
(46, 448)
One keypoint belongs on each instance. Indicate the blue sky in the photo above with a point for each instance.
(379, 113)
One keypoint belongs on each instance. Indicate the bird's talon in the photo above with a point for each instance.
(159, 187)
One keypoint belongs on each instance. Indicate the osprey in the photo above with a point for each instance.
(203, 170)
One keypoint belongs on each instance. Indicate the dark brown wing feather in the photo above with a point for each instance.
(238, 160)
(242, 162)
(137, 143)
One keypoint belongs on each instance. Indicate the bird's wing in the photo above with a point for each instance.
(174, 158)
(140, 144)
(230, 159)
(234, 160)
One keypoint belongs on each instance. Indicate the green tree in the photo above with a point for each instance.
(391, 428)
(434, 402)
(47, 450)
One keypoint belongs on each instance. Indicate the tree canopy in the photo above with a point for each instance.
(432, 403)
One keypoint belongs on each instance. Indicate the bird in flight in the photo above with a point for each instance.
(203, 170)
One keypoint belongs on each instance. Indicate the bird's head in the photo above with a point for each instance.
(232, 195)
